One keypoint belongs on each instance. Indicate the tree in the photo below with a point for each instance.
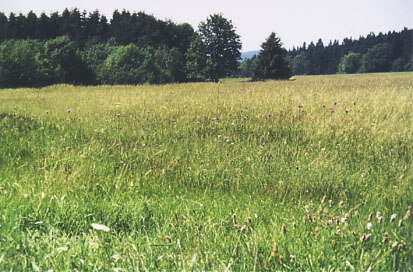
(271, 61)
(350, 63)
(300, 64)
(246, 67)
(222, 47)
(196, 60)
(377, 59)
(18, 63)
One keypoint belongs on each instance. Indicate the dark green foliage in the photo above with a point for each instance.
(222, 46)
(319, 59)
(19, 63)
(246, 67)
(300, 64)
(350, 63)
(196, 60)
(271, 62)
(133, 65)
(62, 64)
(377, 59)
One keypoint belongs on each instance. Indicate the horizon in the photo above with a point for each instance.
(294, 22)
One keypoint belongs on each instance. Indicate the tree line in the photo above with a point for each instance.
(133, 48)
(385, 52)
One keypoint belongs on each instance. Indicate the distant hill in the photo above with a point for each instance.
(249, 54)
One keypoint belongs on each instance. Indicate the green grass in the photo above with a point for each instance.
(166, 168)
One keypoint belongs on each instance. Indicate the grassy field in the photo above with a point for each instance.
(310, 174)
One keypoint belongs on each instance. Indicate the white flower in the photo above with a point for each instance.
(393, 217)
(369, 225)
(100, 227)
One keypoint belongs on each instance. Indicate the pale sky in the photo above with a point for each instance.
(294, 21)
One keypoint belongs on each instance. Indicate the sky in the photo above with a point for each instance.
(294, 21)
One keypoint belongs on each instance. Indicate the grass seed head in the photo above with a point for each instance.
(369, 217)
(234, 219)
(292, 259)
(274, 249)
(385, 238)
(340, 204)
(393, 217)
(400, 223)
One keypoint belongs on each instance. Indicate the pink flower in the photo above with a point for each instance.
(69, 111)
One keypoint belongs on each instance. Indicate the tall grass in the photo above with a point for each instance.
(167, 167)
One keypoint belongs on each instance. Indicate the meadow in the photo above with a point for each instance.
(313, 173)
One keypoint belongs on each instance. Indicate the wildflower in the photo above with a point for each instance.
(274, 249)
(324, 105)
(380, 219)
(378, 214)
(307, 209)
(118, 115)
(100, 227)
(369, 225)
(354, 103)
(323, 199)
(356, 213)
(167, 237)
(393, 217)
(294, 225)
(249, 219)
(400, 223)
(292, 258)
(269, 115)
(283, 229)
(335, 103)
(69, 111)
(230, 114)
(340, 204)
(338, 230)
(332, 110)
(301, 106)
(148, 111)
(343, 219)
(330, 203)
(368, 236)
(47, 112)
(304, 219)
(245, 117)
(394, 244)
(346, 110)
(329, 222)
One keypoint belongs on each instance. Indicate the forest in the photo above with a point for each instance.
(84, 48)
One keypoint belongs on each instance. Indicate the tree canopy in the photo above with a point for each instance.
(271, 61)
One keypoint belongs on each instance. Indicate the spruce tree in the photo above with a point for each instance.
(271, 62)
